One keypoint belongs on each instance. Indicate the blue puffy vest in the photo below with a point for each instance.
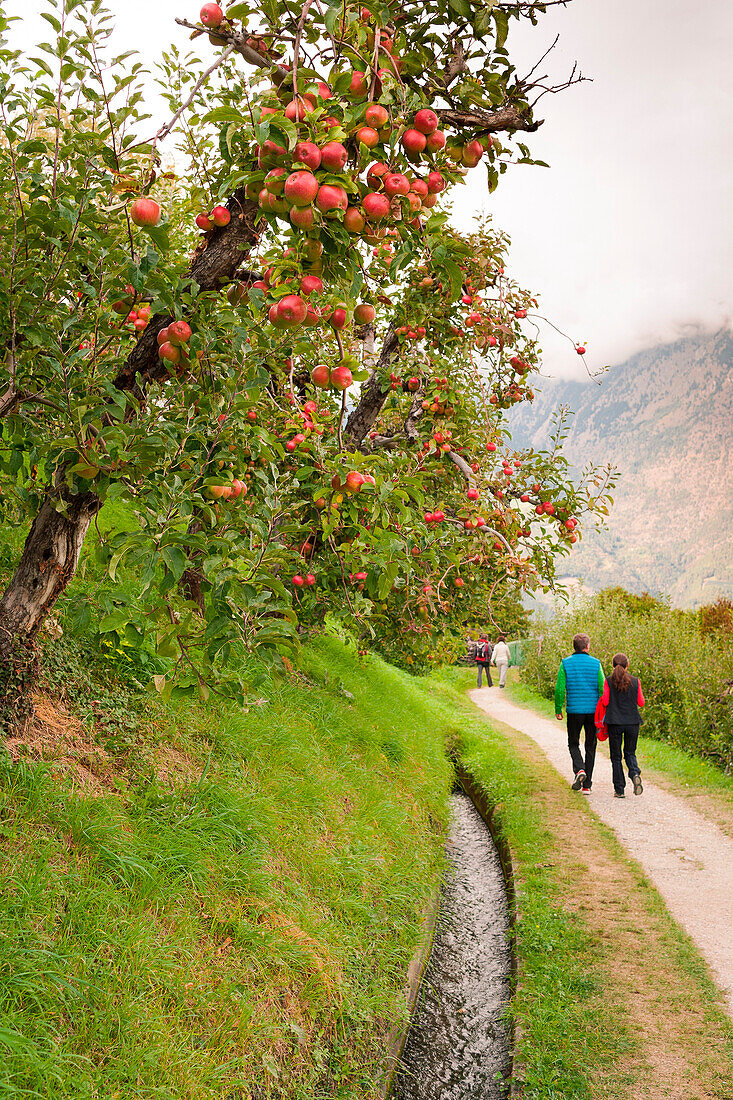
(581, 683)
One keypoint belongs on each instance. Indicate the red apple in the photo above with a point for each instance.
(376, 115)
(333, 156)
(375, 206)
(170, 353)
(413, 142)
(145, 213)
(179, 332)
(297, 109)
(341, 378)
(211, 16)
(435, 142)
(162, 336)
(364, 313)
(354, 220)
(275, 319)
(436, 183)
(301, 188)
(354, 481)
(220, 216)
(358, 86)
(367, 136)
(311, 284)
(396, 184)
(426, 121)
(308, 153)
(292, 310)
(204, 222)
(338, 318)
(331, 197)
(320, 376)
(302, 217)
(298, 581)
(472, 494)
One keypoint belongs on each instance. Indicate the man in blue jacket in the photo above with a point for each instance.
(580, 678)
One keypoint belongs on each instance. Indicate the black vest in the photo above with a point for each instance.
(622, 709)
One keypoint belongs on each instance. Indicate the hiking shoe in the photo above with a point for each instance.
(636, 780)
(578, 781)
(619, 794)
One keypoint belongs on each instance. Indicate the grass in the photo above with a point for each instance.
(242, 888)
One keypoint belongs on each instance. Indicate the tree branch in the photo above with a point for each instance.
(507, 117)
(239, 42)
(215, 263)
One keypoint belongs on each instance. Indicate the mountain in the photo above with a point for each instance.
(664, 418)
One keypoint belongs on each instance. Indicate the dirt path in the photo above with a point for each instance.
(687, 857)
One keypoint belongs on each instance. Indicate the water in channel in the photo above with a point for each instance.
(458, 1045)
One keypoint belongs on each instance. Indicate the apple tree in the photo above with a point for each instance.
(269, 346)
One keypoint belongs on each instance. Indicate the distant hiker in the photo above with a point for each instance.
(619, 706)
(501, 658)
(580, 678)
(483, 659)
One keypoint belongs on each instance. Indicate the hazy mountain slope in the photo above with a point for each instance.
(665, 419)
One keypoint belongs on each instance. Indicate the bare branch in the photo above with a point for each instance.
(163, 132)
(239, 41)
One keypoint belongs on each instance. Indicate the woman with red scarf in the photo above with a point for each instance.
(618, 707)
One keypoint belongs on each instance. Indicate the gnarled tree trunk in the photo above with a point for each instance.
(49, 561)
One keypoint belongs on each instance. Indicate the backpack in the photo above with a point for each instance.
(483, 651)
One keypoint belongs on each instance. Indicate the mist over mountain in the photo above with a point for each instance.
(664, 418)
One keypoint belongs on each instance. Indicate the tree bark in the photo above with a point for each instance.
(507, 118)
(372, 397)
(49, 561)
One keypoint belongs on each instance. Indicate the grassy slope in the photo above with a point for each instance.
(242, 889)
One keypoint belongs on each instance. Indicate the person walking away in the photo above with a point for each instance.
(622, 696)
(501, 658)
(580, 679)
(483, 659)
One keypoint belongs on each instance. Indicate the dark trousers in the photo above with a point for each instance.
(576, 722)
(484, 668)
(623, 737)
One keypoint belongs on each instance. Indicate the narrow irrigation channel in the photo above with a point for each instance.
(458, 1046)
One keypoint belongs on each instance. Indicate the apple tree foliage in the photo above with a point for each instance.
(258, 335)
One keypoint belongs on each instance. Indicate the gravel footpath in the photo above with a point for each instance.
(687, 857)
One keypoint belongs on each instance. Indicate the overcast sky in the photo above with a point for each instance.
(628, 237)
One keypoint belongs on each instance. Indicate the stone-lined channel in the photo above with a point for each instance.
(458, 1046)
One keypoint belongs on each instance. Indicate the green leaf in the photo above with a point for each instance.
(501, 19)
(175, 559)
(114, 621)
